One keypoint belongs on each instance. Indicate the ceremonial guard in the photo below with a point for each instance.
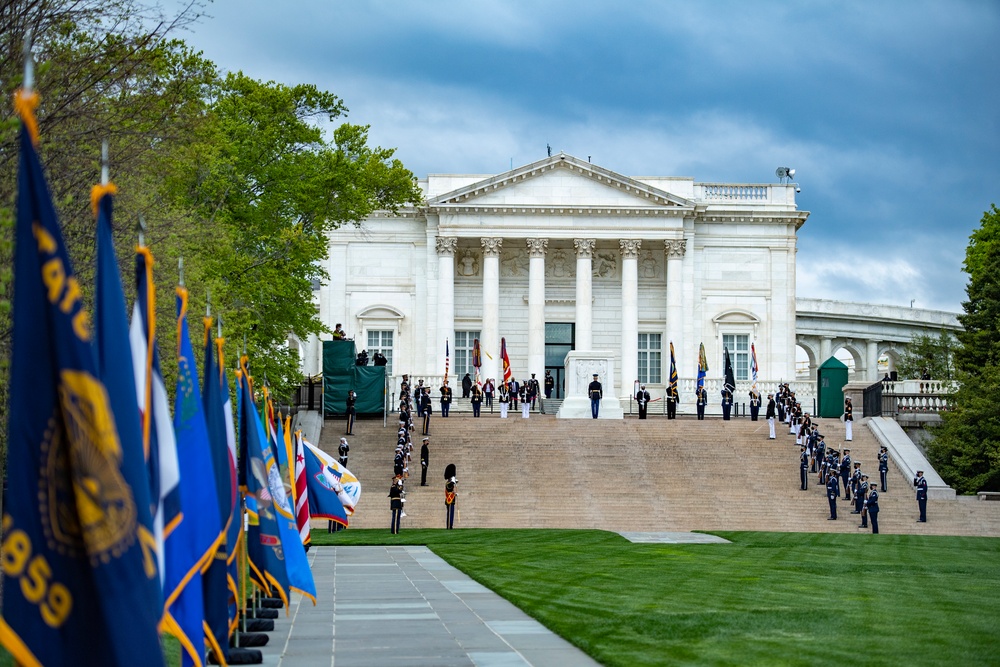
(526, 400)
(862, 493)
(404, 412)
(503, 398)
(395, 504)
(920, 484)
(754, 404)
(532, 391)
(856, 487)
(550, 384)
(445, 398)
(352, 398)
(418, 394)
(848, 420)
(450, 495)
(426, 408)
(832, 493)
(596, 393)
(425, 459)
(672, 401)
(701, 400)
(769, 416)
(399, 459)
(476, 399)
(803, 469)
(727, 402)
(845, 473)
(642, 398)
(342, 450)
(466, 386)
(883, 467)
(872, 504)
(819, 450)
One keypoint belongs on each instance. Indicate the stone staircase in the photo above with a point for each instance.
(651, 475)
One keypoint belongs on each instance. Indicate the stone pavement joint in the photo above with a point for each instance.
(406, 606)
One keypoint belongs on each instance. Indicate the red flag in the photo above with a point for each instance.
(301, 490)
(506, 360)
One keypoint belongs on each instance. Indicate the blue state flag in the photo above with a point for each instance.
(324, 501)
(73, 559)
(215, 582)
(264, 547)
(296, 565)
(191, 546)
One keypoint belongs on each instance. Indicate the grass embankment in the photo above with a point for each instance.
(768, 598)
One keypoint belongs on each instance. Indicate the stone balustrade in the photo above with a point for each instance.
(732, 192)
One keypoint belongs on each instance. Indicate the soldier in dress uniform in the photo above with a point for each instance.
(445, 398)
(550, 384)
(700, 400)
(476, 399)
(769, 416)
(596, 393)
(342, 450)
(856, 476)
(426, 408)
(920, 484)
(845, 472)
(395, 504)
(848, 420)
(525, 399)
(883, 466)
(404, 386)
(532, 393)
(754, 404)
(352, 398)
(503, 398)
(450, 496)
(872, 504)
(727, 401)
(418, 394)
(672, 400)
(399, 460)
(820, 452)
(642, 398)
(862, 493)
(803, 469)
(832, 493)
(425, 459)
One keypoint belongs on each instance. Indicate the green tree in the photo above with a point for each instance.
(966, 447)
(927, 353)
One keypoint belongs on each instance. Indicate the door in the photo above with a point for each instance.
(559, 340)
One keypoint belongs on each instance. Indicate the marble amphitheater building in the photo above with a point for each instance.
(562, 256)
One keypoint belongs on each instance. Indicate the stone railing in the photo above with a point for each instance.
(731, 192)
(920, 403)
(920, 387)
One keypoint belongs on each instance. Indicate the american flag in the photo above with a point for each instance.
(447, 359)
(301, 490)
(753, 368)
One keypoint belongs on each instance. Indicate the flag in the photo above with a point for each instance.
(74, 561)
(506, 360)
(301, 490)
(753, 369)
(282, 491)
(325, 486)
(477, 359)
(672, 388)
(702, 366)
(191, 546)
(215, 583)
(159, 441)
(730, 381)
(447, 359)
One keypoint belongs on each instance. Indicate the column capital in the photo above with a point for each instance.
(537, 247)
(630, 248)
(584, 247)
(446, 245)
(675, 247)
(491, 246)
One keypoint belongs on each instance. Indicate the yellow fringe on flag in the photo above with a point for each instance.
(99, 191)
(25, 103)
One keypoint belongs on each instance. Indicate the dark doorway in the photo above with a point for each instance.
(559, 340)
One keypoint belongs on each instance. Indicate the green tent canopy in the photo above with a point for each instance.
(340, 374)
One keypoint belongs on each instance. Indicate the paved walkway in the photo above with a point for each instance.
(405, 606)
(673, 538)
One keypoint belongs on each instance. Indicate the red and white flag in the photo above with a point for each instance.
(301, 490)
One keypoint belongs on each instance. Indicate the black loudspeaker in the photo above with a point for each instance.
(894, 376)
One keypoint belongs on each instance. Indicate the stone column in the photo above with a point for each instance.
(825, 346)
(630, 312)
(871, 361)
(445, 246)
(491, 306)
(674, 249)
(536, 306)
(584, 293)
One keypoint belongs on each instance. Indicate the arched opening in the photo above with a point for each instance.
(805, 362)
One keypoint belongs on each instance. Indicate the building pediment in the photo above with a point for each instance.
(560, 184)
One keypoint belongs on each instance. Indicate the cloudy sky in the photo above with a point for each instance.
(888, 111)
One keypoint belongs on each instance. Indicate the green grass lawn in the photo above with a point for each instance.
(768, 598)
